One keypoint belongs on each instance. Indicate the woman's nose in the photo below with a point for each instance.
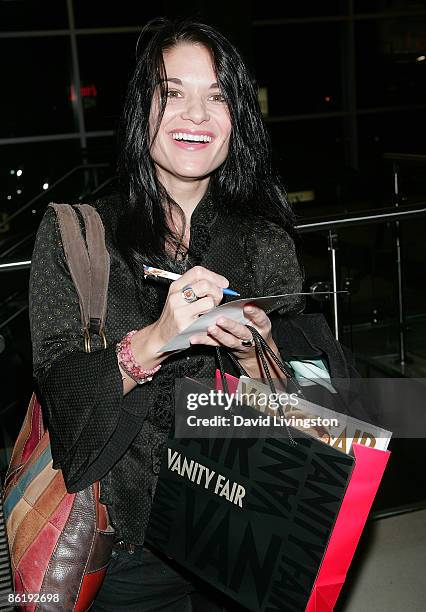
(195, 110)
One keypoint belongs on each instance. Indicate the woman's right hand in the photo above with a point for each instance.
(177, 315)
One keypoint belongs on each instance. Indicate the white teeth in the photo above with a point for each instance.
(191, 137)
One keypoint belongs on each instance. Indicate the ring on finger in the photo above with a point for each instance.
(189, 294)
(247, 343)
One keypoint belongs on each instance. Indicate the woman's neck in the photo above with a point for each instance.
(185, 193)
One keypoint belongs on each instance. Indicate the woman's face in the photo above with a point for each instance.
(193, 138)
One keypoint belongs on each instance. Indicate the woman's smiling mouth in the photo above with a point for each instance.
(192, 140)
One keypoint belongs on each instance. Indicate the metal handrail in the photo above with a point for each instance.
(103, 185)
(45, 192)
(406, 157)
(15, 265)
(329, 224)
(395, 216)
(16, 245)
(14, 316)
(304, 227)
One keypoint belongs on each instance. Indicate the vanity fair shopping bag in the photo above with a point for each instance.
(60, 543)
(272, 524)
(252, 517)
(369, 467)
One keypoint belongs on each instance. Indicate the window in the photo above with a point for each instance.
(391, 62)
(106, 63)
(388, 6)
(392, 132)
(98, 13)
(310, 154)
(36, 94)
(287, 10)
(18, 15)
(300, 66)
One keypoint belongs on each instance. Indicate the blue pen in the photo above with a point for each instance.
(151, 271)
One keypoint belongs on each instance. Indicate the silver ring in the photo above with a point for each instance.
(247, 343)
(189, 294)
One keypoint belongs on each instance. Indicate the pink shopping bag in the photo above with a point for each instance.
(231, 380)
(370, 465)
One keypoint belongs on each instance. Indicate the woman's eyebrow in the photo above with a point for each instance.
(214, 85)
(176, 81)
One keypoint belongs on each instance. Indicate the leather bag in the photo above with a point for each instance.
(60, 543)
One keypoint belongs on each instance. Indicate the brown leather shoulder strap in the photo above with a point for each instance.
(88, 262)
(77, 257)
(99, 266)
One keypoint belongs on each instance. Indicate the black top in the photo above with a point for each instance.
(96, 433)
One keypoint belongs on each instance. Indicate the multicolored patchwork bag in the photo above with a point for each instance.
(60, 543)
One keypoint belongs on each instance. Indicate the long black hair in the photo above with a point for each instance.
(245, 182)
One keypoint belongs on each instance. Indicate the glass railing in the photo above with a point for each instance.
(374, 264)
(373, 260)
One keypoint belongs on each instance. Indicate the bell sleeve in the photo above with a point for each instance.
(89, 421)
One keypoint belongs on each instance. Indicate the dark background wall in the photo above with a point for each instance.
(345, 83)
(342, 83)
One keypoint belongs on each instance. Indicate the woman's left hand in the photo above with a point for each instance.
(229, 334)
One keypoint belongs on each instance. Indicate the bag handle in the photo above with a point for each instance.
(261, 347)
(88, 262)
(99, 267)
(76, 256)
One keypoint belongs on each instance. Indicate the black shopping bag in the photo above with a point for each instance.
(252, 517)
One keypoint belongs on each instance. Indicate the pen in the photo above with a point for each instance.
(150, 271)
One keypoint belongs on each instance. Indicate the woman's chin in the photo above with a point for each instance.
(192, 174)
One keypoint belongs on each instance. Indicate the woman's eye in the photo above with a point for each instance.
(173, 93)
(217, 98)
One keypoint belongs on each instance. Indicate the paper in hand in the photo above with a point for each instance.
(232, 310)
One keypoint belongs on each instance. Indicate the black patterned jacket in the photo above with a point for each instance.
(96, 433)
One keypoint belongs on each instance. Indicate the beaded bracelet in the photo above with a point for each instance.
(127, 361)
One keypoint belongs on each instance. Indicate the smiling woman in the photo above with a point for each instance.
(196, 118)
(199, 198)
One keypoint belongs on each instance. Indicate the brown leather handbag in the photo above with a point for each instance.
(60, 543)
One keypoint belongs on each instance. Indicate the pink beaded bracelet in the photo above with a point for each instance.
(127, 361)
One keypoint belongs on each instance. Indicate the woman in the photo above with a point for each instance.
(199, 198)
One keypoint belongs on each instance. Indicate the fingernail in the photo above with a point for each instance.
(221, 321)
(211, 330)
(249, 309)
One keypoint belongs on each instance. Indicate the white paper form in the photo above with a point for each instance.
(231, 310)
